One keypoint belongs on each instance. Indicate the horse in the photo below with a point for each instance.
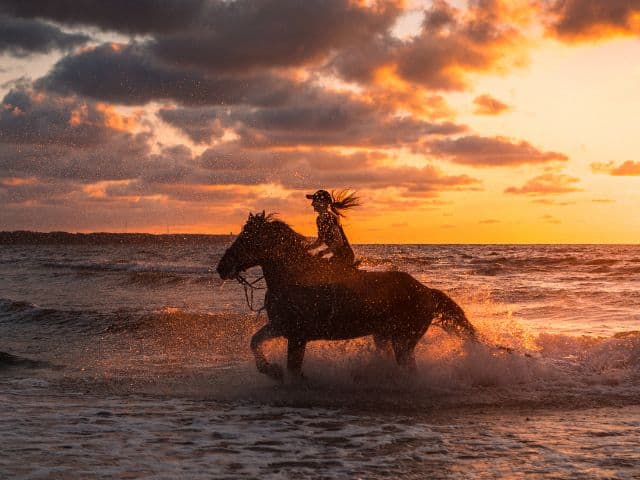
(309, 298)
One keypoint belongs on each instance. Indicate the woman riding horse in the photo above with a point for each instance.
(306, 300)
(330, 232)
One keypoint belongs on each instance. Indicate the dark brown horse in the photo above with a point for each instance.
(310, 299)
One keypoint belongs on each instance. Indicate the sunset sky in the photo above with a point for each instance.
(456, 122)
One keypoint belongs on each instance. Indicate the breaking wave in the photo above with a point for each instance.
(176, 348)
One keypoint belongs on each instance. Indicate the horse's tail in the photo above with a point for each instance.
(451, 318)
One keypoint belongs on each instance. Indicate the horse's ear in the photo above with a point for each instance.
(263, 213)
(250, 215)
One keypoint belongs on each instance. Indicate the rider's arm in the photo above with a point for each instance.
(315, 244)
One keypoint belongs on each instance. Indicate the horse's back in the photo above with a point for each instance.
(392, 281)
(354, 305)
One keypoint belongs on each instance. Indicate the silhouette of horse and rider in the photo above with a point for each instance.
(312, 297)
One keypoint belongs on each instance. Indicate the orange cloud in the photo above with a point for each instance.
(589, 20)
(391, 91)
(625, 169)
(547, 184)
(115, 120)
(79, 115)
(487, 105)
(98, 190)
(552, 202)
(491, 151)
(18, 181)
(453, 44)
(550, 219)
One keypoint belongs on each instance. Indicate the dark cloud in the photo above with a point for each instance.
(328, 119)
(65, 138)
(341, 128)
(625, 169)
(27, 117)
(130, 75)
(201, 125)
(215, 194)
(314, 169)
(21, 190)
(487, 105)
(440, 15)
(245, 34)
(138, 17)
(575, 20)
(221, 35)
(359, 62)
(547, 184)
(19, 37)
(230, 165)
(122, 157)
(491, 152)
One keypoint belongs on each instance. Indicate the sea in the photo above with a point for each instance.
(126, 356)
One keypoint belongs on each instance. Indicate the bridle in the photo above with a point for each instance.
(249, 289)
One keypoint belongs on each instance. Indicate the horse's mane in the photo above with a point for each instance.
(294, 243)
(285, 231)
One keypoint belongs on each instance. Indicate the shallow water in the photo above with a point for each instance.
(149, 372)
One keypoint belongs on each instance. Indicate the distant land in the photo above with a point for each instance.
(23, 237)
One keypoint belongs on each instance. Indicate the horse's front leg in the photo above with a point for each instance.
(295, 356)
(273, 370)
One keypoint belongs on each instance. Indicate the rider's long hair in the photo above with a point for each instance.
(342, 201)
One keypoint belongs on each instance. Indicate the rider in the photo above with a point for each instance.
(330, 231)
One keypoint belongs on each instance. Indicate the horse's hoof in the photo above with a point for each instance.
(275, 371)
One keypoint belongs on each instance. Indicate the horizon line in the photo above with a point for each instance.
(4, 232)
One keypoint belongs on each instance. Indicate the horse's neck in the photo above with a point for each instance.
(287, 269)
(298, 271)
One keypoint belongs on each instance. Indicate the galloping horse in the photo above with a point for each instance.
(310, 299)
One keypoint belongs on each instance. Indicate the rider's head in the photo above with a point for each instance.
(321, 200)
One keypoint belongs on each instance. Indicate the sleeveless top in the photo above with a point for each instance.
(331, 233)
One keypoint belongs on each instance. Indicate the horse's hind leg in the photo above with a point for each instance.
(273, 370)
(295, 356)
(404, 354)
(383, 345)
(404, 348)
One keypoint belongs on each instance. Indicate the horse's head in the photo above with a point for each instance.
(261, 239)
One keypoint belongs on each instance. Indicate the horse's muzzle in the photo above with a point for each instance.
(227, 268)
(227, 272)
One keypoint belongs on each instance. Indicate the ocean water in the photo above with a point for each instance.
(140, 368)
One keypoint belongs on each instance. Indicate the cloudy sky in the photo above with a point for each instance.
(478, 121)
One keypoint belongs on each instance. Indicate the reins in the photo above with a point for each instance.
(249, 289)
